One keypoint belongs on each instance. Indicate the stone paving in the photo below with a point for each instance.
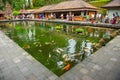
(102, 65)
(16, 64)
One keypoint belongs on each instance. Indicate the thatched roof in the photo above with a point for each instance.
(31, 10)
(2, 12)
(43, 9)
(114, 3)
(23, 11)
(72, 5)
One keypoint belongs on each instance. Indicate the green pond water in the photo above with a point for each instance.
(57, 46)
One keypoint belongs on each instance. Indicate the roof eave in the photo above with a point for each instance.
(74, 9)
(106, 7)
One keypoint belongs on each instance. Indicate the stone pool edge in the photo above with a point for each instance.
(103, 25)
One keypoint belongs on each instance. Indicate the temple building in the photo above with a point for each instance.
(40, 13)
(73, 7)
(76, 8)
(113, 8)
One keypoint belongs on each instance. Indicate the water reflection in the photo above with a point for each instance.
(71, 46)
(31, 33)
(86, 48)
(58, 45)
(96, 34)
(107, 34)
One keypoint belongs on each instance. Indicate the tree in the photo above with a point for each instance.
(1, 5)
(38, 3)
(20, 4)
(15, 4)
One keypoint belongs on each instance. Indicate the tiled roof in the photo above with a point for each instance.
(114, 3)
(43, 9)
(72, 4)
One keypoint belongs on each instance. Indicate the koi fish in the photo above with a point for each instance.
(67, 67)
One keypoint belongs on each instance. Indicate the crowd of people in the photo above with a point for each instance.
(114, 19)
(20, 16)
(98, 18)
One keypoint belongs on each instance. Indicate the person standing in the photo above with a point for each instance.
(62, 16)
(92, 18)
(67, 17)
(87, 17)
(117, 17)
(114, 18)
(106, 19)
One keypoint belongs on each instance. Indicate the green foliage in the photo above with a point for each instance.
(102, 11)
(1, 5)
(37, 3)
(4, 1)
(15, 13)
(79, 30)
(99, 3)
(19, 4)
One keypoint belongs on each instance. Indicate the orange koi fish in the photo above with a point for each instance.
(67, 67)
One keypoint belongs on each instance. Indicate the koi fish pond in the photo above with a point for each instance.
(59, 47)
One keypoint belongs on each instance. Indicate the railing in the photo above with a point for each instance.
(77, 18)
